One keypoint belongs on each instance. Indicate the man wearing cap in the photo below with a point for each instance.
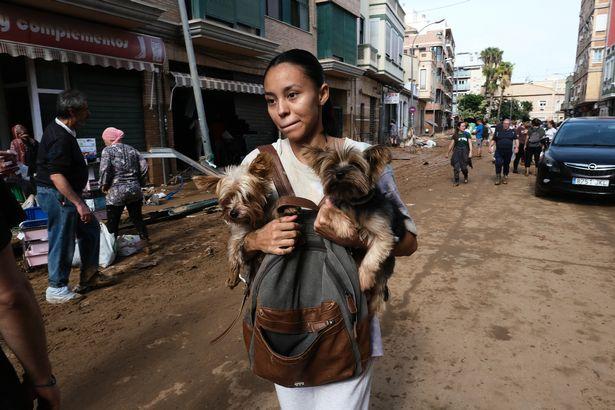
(62, 175)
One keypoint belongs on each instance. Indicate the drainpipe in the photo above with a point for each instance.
(194, 75)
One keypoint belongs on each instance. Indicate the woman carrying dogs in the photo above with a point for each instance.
(461, 147)
(297, 97)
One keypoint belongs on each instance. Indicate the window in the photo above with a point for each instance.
(597, 55)
(542, 105)
(423, 79)
(600, 22)
(293, 12)
(387, 40)
(361, 39)
(373, 32)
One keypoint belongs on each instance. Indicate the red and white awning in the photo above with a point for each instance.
(67, 56)
(209, 83)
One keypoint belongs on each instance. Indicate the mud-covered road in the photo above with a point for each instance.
(509, 303)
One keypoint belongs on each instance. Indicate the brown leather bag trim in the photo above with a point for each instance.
(280, 179)
(294, 202)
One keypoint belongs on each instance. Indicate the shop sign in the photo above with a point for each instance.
(28, 26)
(391, 98)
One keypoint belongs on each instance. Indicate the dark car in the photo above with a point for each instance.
(581, 158)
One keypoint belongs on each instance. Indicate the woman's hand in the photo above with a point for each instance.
(324, 226)
(278, 237)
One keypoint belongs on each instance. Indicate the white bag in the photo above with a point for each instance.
(107, 252)
(128, 245)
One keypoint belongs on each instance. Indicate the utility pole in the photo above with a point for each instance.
(196, 85)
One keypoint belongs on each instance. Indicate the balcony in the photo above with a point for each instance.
(368, 57)
(461, 87)
(122, 13)
(431, 106)
(459, 73)
(231, 26)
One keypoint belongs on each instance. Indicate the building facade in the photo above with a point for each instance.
(435, 51)
(591, 43)
(547, 98)
(607, 87)
(468, 76)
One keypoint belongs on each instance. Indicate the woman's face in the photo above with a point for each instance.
(294, 102)
(462, 126)
(21, 132)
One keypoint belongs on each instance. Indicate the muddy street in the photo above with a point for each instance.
(509, 303)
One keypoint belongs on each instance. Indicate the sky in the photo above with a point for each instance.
(538, 36)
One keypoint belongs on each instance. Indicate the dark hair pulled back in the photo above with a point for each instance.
(312, 68)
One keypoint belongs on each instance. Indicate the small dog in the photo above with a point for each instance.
(349, 178)
(244, 194)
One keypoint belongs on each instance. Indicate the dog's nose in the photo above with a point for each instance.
(234, 213)
(340, 174)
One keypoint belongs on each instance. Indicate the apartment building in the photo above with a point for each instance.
(547, 97)
(468, 76)
(587, 79)
(381, 35)
(435, 50)
(607, 87)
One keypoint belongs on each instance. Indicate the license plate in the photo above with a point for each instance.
(590, 182)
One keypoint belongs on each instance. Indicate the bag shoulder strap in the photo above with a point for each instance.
(280, 179)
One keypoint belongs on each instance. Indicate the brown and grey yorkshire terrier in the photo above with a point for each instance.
(244, 194)
(349, 178)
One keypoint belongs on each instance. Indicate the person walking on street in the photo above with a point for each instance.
(551, 131)
(505, 143)
(122, 174)
(521, 132)
(461, 147)
(393, 133)
(61, 177)
(533, 147)
(21, 324)
(479, 131)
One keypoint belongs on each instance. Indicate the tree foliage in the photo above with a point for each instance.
(471, 106)
(492, 57)
(514, 109)
(504, 75)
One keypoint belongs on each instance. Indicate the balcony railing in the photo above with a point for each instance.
(236, 13)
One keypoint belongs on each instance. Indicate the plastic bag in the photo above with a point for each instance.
(107, 253)
(128, 245)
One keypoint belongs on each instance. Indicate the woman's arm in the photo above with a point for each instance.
(450, 148)
(106, 171)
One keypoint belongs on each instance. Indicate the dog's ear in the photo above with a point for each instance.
(210, 182)
(262, 166)
(315, 157)
(378, 158)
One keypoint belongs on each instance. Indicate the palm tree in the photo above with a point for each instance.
(492, 57)
(504, 74)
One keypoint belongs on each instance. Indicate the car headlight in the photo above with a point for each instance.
(550, 162)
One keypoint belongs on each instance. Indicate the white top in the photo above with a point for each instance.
(302, 177)
(69, 130)
(306, 184)
(550, 133)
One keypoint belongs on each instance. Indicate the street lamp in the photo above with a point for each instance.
(412, 65)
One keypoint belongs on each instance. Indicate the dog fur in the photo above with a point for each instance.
(244, 194)
(349, 178)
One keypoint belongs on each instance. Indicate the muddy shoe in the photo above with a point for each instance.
(465, 181)
(505, 179)
(515, 171)
(498, 180)
(98, 280)
(527, 172)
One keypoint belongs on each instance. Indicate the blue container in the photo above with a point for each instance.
(35, 213)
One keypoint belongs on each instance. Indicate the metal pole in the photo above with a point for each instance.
(194, 74)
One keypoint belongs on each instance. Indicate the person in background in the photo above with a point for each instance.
(25, 146)
(61, 176)
(122, 174)
(393, 133)
(504, 142)
(479, 132)
(21, 324)
(521, 132)
(461, 147)
(551, 130)
(533, 144)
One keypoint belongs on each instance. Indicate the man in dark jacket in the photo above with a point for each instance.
(506, 142)
(62, 175)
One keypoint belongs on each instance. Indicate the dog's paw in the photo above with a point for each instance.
(232, 281)
(366, 279)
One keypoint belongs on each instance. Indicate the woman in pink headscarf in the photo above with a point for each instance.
(122, 174)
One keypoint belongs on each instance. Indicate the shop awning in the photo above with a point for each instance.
(67, 56)
(209, 83)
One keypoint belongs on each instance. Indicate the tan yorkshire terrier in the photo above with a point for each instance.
(244, 194)
(349, 178)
